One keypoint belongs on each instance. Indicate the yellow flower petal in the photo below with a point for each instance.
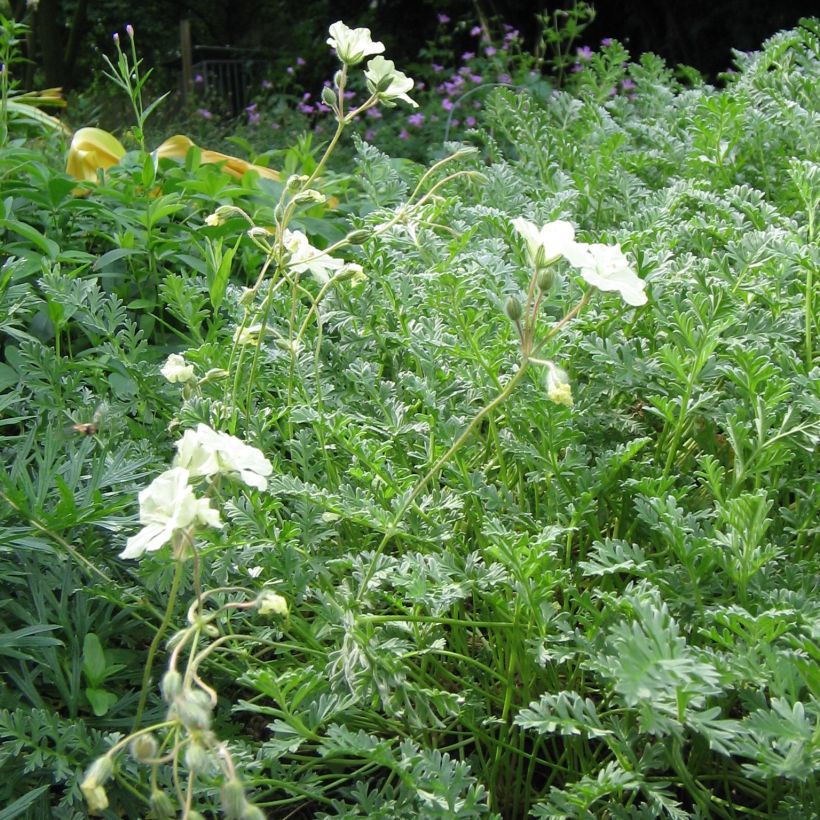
(91, 149)
(177, 147)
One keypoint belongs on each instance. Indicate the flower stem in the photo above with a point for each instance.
(433, 471)
(152, 650)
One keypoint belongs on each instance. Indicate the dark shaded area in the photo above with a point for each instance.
(69, 36)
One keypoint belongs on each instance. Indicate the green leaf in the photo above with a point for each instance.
(94, 665)
(101, 700)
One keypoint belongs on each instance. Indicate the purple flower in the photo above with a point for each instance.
(627, 84)
(607, 41)
(455, 123)
(475, 31)
(275, 126)
(490, 51)
(349, 95)
(199, 78)
(505, 79)
(511, 35)
(476, 78)
(443, 19)
(584, 53)
(204, 113)
(373, 113)
(477, 105)
(305, 108)
(300, 61)
(404, 134)
(437, 69)
(267, 85)
(470, 121)
(447, 104)
(416, 120)
(468, 55)
(129, 30)
(612, 91)
(254, 118)
(420, 85)
(576, 67)
(289, 69)
(369, 135)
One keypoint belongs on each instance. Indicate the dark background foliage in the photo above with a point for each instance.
(69, 34)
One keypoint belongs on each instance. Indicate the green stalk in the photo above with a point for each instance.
(433, 471)
(152, 650)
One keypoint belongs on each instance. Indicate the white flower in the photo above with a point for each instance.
(389, 84)
(548, 244)
(606, 268)
(168, 504)
(205, 452)
(352, 45)
(176, 369)
(303, 256)
(559, 389)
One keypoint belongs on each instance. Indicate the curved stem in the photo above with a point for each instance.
(152, 650)
(433, 471)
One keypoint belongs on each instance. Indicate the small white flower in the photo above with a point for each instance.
(352, 45)
(176, 369)
(205, 452)
(547, 244)
(559, 389)
(304, 257)
(383, 79)
(168, 504)
(606, 268)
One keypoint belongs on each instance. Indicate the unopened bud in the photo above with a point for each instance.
(197, 758)
(337, 78)
(295, 182)
(546, 279)
(162, 807)
(143, 747)
(252, 812)
(358, 237)
(328, 97)
(129, 30)
(233, 798)
(513, 309)
(171, 685)
(194, 715)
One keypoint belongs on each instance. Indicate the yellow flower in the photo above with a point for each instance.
(92, 149)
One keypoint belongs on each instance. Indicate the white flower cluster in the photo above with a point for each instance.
(602, 266)
(168, 504)
(383, 79)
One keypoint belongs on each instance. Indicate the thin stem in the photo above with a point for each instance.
(433, 471)
(152, 650)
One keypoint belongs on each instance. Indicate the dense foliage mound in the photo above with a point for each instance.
(452, 563)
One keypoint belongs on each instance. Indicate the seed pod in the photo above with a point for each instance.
(358, 237)
(233, 799)
(328, 97)
(171, 685)
(162, 807)
(143, 748)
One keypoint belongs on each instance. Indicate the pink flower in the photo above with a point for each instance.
(447, 104)
(416, 120)
(300, 61)
(443, 19)
(584, 53)
(404, 134)
(470, 122)
(475, 31)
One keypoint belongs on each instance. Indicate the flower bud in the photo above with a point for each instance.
(252, 812)
(143, 747)
(295, 182)
(197, 758)
(337, 78)
(162, 807)
(171, 685)
(358, 237)
(129, 30)
(192, 713)
(546, 279)
(233, 798)
(328, 97)
(92, 786)
(352, 272)
(513, 309)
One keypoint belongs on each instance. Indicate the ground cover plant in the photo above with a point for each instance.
(485, 487)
